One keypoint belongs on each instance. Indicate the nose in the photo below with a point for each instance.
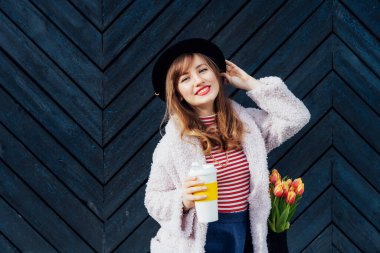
(198, 80)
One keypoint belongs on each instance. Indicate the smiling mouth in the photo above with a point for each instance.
(203, 91)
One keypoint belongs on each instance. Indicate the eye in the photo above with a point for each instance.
(184, 79)
(187, 77)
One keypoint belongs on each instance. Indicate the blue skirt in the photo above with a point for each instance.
(230, 234)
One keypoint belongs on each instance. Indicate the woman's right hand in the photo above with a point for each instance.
(190, 186)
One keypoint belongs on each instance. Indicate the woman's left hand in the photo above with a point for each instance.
(237, 77)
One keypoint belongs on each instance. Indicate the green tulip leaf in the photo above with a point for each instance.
(287, 225)
(281, 222)
(271, 225)
(291, 212)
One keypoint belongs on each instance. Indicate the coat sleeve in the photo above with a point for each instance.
(281, 114)
(261, 206)
(163, 199)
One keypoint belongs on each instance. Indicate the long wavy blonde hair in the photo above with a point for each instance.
(229, 129)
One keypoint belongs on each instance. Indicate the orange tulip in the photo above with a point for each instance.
(277, 191)
(291, 197)
(300, 189)
(275, 176)
(278, 182)
(297, 182)
(285, 188)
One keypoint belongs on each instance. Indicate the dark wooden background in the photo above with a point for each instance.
(79, 120)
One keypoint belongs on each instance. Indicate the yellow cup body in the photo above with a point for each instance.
(211, 192)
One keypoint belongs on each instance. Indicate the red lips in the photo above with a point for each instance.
(201, 89)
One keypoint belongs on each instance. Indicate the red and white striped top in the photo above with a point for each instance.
(233, 179)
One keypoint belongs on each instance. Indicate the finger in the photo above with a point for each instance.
(190, 183)
(196, 189)
(196, 197)
(191, 188)
(230, 63)
(195, 183)
(189, 179)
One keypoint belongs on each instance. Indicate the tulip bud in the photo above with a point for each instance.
(277, 191)
(285, 188)
(291, 197)
(296, 182)
(275, 176)
(300, 189)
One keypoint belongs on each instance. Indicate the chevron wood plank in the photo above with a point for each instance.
(246, 23)
(360, 155)
(84, 35)
(120, 34)
(51, 192)
(357, 37)
(51, 79)
(273, 33)
(130, 177)
(309, 149)
(125, 220)
(367, 12)
(312, 222)
(133, 137)
(90, 9)
(318, 102)
(51, 153)
(40, 215)
(363, 80)
(112, 9)
(359, 115)
(55, 121)
(304, 39)
(140, 240)
(19, 231)
(52, 42)
(364, 197)
(322, 243)
(342, 243)
(356, 228)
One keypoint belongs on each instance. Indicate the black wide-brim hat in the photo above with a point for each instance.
(194, 45)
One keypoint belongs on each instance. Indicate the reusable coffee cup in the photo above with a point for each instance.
(206, 209)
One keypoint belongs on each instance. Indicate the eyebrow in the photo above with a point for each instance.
(195, 67)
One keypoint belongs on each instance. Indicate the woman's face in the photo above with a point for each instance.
(199, 85)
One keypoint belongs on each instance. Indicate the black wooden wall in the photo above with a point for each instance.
(79, 120)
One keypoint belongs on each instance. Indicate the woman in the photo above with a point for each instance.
(205, 126)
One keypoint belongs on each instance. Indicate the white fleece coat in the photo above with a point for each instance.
(281, 116)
